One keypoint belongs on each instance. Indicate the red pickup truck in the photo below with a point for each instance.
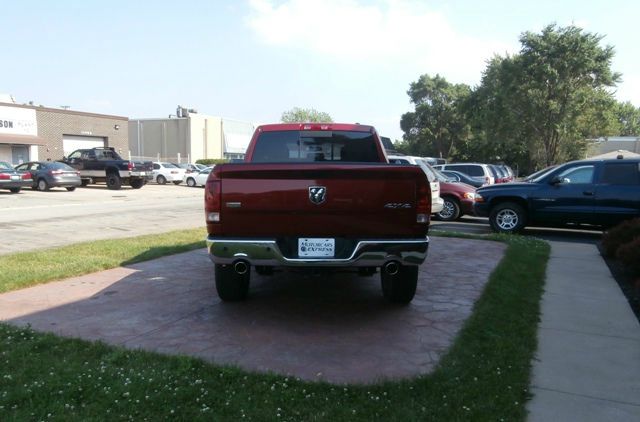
(317, 196)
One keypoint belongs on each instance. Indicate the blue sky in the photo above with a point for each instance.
(252, 60)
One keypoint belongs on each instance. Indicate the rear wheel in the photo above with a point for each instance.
(191, 182)
(507, 217)
(71, 188)
(401, 286)
(14, 190)
(113, 181)
(231, 286)
(137, 183)
(85, 182)
(161, 180)
(43, 186)
(450, 210)
(264, 269)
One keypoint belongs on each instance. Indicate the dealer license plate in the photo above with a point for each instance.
(316, 248)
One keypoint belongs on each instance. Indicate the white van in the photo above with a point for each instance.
(437, 203)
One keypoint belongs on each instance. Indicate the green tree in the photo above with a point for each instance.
(437, 124)
(628, 117)
(544, 102)
(302, 115)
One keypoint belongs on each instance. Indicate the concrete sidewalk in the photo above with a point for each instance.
(587, 366)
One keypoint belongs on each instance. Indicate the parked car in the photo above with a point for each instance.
(437, 203)
(508, 170)
(499, 174)
(480, 172)
(197, 179)
(456, 176)
(167, 172)
(190, 167)
(51, 174)
(13, 179)
(596, 193)
(457, 197)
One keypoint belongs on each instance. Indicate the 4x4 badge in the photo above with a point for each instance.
(317, 194)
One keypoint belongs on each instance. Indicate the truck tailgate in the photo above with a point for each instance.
(363, 200)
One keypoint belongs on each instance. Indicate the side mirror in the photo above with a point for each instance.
(64, 158)
(557, 180)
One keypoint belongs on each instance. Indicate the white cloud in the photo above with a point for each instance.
(394, 30)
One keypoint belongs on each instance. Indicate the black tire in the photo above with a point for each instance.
(43, 186)
(84, 182)
(14, 190)
(264, 270)
(137, 183)
(507, 217)
(161, 180)
(366, 271)
(231, 287)
(450, 210)
(177, 182)
(400, 287)
(191, 182)
(71, 188)
(114, 182)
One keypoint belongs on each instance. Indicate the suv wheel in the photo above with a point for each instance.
(507, 217)
(137, 183)
(450, 210)
(113, 181)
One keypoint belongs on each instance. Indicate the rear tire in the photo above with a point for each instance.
(71, 188)
(85, 182)
(191, 182)
(231, 287)
(507, 217)
(161, 180)
(113, 181)
(137, 183)
(43, 186)
(14, 190)
(264, 269)
(400, 287)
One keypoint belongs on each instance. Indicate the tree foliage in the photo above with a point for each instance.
(628, 118)
(303, 115)
(532, 109)
(437, 124)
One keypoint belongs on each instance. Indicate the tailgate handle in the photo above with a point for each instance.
(588, 193)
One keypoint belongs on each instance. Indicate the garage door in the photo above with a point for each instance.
(71, 143)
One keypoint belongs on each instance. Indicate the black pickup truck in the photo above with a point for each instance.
(596, 193)
(104, 165)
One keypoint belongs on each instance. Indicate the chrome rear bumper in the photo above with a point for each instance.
(367, 253)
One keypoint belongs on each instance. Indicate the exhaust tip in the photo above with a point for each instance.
(240, 267)
(392, 268)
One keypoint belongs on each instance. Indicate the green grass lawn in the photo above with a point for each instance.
(484, 376)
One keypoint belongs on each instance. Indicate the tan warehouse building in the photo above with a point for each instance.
(30, 133)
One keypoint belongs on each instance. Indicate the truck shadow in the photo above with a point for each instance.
(333, 327)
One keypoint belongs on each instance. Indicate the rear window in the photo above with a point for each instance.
(468, 169)
(294, 146)
(621, 173)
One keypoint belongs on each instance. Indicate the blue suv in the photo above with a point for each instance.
(591, 193)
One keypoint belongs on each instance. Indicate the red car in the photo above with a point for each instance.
(458, 198)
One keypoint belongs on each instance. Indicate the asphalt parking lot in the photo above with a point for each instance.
(32, 220)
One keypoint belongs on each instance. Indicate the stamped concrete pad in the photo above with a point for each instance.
(335, 327)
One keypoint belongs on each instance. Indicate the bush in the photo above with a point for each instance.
(629, 256)
(210, 161)
(617, 236)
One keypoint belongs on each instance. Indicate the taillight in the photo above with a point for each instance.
(212, 201)
(423, 201)
(4, 176)
(130, 166)
(26, 176)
